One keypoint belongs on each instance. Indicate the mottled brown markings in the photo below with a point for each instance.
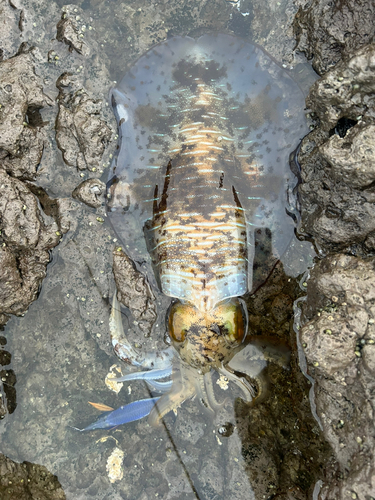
(186, 72)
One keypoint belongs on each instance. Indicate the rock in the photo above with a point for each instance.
(348, 90)
(337, 201)
(26, 237)
(12, 23)
(25, 163)
(91, 192)
(133, 291)
(339, 341)
(338, 212)
(328, 31)
(8, 400)
(28, 481)
(21, 94)
(81, 134)
(68, 32)
(352, 158)
(336, 216)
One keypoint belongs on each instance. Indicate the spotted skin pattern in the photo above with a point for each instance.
(201, 175)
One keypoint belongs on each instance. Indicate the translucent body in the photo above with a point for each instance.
(199, 193)
(206, 128)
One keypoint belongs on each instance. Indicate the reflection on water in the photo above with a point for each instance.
(61, 355)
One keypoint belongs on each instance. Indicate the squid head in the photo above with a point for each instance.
(206, 339)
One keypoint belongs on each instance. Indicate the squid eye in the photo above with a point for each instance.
(176, 327)
(239, 324)
(234, 321)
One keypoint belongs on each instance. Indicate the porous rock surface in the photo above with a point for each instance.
(134, 291)
(329, 31)
(29, 228)
(27, 234)
(347, 90)
(26, 238)
(21, 96)
(68, 32)
(91, 192)
(337, 202)
(336, 195)
(81, 134)
(27, 481)
(339, 342)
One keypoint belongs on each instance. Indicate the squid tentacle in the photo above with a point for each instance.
(182, 389)
(214, 404)
(160, 386)
(170, 401)
(146, 375)
(202, 394)
(126, 352)
(123, 415)
(241, 382)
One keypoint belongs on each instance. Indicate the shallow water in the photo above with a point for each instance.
(61, 351)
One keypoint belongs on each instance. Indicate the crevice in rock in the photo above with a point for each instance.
(342, 126)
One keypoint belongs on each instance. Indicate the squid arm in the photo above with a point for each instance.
(123, 415)
(126, 352)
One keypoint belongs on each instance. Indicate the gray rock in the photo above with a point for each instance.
(81, 134)
(20, 94)
(337, 211)
(134, 291)
(339, 343)
(26, 238)
(337, 202)
(8, 399)
(348, 90)
(10, 28)
(91, 192)
(328, 31)
(25, 163)
(352, 158)
(68, 32)
(27, 481)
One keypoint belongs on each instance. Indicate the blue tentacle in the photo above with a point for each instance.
(123, 415)
(162, 387)
(146, 375)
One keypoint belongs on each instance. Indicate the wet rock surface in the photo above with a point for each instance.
(330, 31)
(337, 198)
(8, 396)
(21, 98)
(346, 91)
(339, 342)
(26, 238)
(27, 481)
(68, 31)
(337, 211)
(81, 134)
(91, 192)
(134, 292)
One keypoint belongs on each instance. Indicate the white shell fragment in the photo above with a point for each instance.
(222, 382)
(114, 465)
(114, 372)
